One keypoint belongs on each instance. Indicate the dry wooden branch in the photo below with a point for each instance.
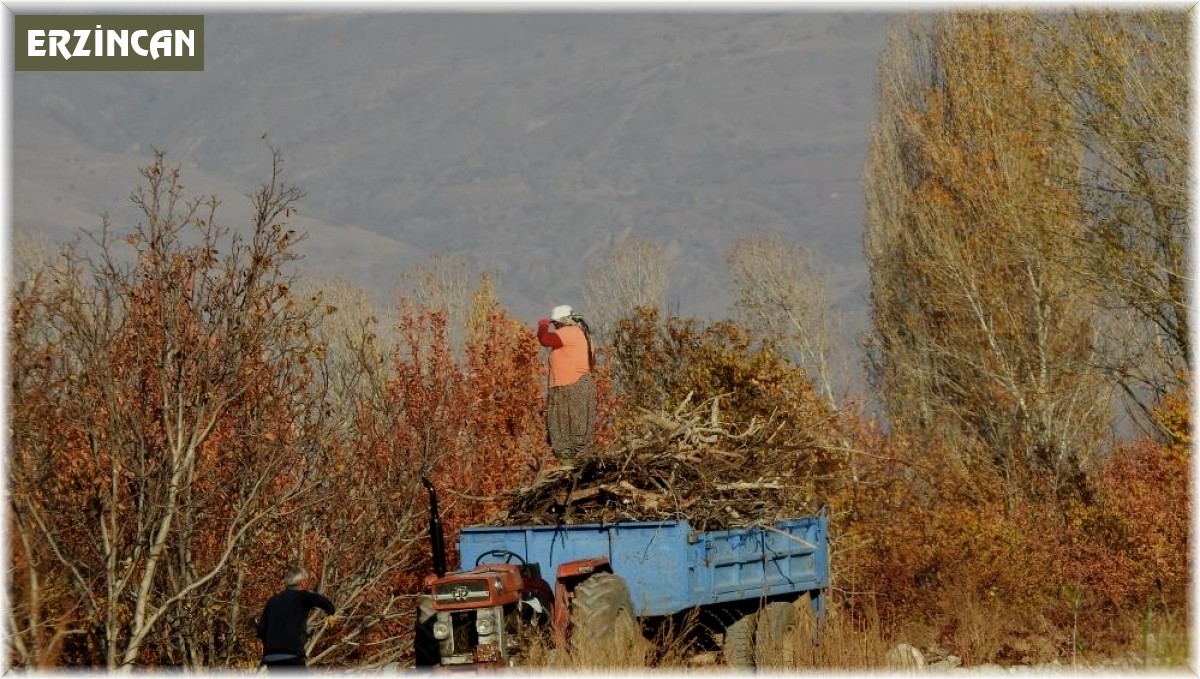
(744, 485)
(681, 464)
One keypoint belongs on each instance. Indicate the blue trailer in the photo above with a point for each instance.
(589, 582)
(669, 567)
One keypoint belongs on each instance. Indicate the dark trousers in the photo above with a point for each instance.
(287, 665)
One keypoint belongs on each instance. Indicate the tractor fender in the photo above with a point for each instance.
(573, 569)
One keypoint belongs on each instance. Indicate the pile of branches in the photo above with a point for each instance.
(682, 464)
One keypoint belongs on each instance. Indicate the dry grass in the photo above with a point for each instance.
(629, 651)
(1165, 641)
(843, 644)
(988, 634)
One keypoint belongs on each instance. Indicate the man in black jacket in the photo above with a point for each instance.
(283, 627)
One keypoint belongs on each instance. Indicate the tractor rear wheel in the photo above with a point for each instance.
(603, 629)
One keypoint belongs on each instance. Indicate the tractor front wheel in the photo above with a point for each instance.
(603, 629)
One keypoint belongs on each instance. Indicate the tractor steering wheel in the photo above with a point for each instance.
(501, 553)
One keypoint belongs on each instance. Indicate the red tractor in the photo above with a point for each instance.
(488, 615)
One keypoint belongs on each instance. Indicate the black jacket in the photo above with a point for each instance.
(283, 626)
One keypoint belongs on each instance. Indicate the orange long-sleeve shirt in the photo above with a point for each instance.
(568, 353)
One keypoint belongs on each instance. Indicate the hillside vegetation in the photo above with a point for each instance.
(189, 414)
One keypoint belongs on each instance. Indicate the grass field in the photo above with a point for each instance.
(863, 645)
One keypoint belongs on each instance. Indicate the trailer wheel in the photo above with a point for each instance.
(738, 645)
(773, 645)
(603, 629)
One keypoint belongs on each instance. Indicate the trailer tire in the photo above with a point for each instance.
(602, 622)
(738, 646)
(773, 645)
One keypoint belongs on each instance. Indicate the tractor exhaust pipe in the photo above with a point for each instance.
(437, 538)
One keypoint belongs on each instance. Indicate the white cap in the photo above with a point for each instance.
(560, 312)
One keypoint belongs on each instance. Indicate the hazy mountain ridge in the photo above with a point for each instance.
(524, 142)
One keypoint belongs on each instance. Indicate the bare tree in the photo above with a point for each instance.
(781, 293)
(354, 345)
(446, 284)
(634, 275)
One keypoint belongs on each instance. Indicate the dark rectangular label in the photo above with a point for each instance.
(110, 42)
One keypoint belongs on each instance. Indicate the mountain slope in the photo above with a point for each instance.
(527, 143)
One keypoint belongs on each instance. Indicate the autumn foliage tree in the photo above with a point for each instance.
(946, 554)
(1025, 254)
(983, 336)
(193, 420)
(472, 425)
(161, 414)
(360, 535)
(1125, 79)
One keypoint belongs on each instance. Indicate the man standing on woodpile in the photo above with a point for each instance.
(571, 401)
